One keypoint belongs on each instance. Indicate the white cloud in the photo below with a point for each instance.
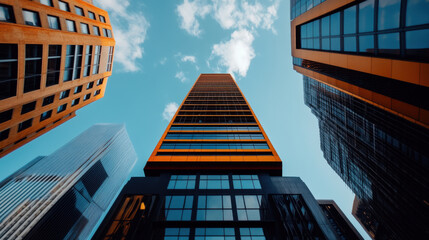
(188, 13)
(129, 29)
(237, 53)
(189, 59)
(169, 111)
(163, 61)
(181, 76)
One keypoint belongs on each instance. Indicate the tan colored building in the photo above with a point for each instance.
(55, 57)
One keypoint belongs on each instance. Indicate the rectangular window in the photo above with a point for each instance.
(31, 18)
(366, 16)
(64, 6)
(97, 56)
(45, 115)
(176, 233)
(102, 19)
(28, 107)
(100, 81)
(54, 22)
(8, 70)
(388, 43)
(216, 233)
(417, 43)
(78, 89)
(335, 44)
(71, 26)
(246, 182)
(388, 14)
(79, 11)
(54, 64)
(6, 13)
(252, 233)
(97, 92)
(75, 101)
(214, 208)
(366, 44)
(48, 100)
(90, 85)
(47, 2)
(33, 67)
(182, 182)
(248, 207)
(88, 60)
(335, 24)
(215, 145)
(350, 20)
(178, 208)
(350, 44)
(6, 115)
(62, 108)
(24, 125)
(84, 28)
(109, 60)
(4, 134)
(64, 94)
(417, 12)
(107, 32)
(73, 64)
(325, 26)
(96, 30)
(91, 15)
(214, 182)
(87, 96)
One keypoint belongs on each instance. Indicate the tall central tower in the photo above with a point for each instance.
(214, 129)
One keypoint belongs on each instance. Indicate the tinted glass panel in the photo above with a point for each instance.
(325, 26)
(417, 12)
(350, 44)
(417, 43)
(366, 44)
(54, 22)
(31, 18)
(335, 44)
(316, 28)
(350, 20)
(366, 16)
(325, 44)
(6, 13)
(388, 43)
(335, 24)
(388, 14)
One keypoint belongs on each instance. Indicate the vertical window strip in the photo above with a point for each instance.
(97, 56)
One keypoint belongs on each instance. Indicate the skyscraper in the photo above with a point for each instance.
(215, 174)
(63, 195)
(55, 57)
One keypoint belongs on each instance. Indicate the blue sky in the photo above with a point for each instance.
(162, 47)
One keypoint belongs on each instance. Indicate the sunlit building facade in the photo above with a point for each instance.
(63, 195)
(215, 175)
(55, 57)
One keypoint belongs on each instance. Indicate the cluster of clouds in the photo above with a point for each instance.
(241, 17)
(169, 111)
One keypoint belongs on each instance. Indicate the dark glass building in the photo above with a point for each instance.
(382, 157)
(215, 175)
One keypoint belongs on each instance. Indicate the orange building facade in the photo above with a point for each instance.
(374, 50)
(214, 129)
(55, 58)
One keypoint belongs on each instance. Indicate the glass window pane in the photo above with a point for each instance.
(366, 44)
(417, 43)
(366, 16)
(251, 201)
(304, 31)
(325, 26)
(316, 43)
(388, 43)
(417, 12)
(325, 44)
(253, 215)
(201, 201)
(247, 184)
(54, 22)
(310, 43)
(335, 24)
(350, 20)
(241, 214)
(227, 215)
(177, 201)
(31, 18)
(388, 14)
(47, 2)
(6, 14)
(174, 215)
(239, 201)
(350, 44)
(64, 6)
(71, 26)
(335, 44)
(310, 30)
(214, 201)
(316, 28)
(214, 215)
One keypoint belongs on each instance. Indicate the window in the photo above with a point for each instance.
(97, 92)
(54, 22)
(6, 115)
(107, 32)
(215, 233)
(215, 145)
(366, 16)
(109, 60)
(8, 70)
(47, 2)
(24, 125)
(325, 26)
(100, 81)
(214, 128)
(176, 234)
(4, 134)
(214, 208)
(62, 108)
(75, 101)
(97, 55)
(350, 20)
(73, 62)
(350, 44)
(87, 96)
(335, 24)
(54, 64)
(31, 18)
(84, 28)
(214, 182)
(64, 94)
(71, 27)
(178, 208)
(102, 19)
(78, 89)
(366, 43)
(96, 30)
(79, 11)
(388, 43)
(33, 67)
(248, 207)
(28, 107)
(91, 15)
(64, 6)
(417, 12)
(252, 233)
(388, 14)
(417, 43)
(246, 182)
(6, 13)
(89, 85)
(182, 182)
(48, 100)
(45, 115)
(88, 59)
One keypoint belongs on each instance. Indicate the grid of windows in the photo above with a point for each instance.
(214, 208)
(88, 59)
(214, 128)
(96, 64)
(178, 208)
(252, 234)
(248, 207)
(182, 182)
(246, 182)
(214, 182)
(214, 234)
(176, 234)
(33, 67)
(226, 146)
(8, 70)
(54, 64)
(372, 27)
(214, 136)
(73, 64)
(299, 7)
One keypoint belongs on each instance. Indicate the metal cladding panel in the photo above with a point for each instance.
(28, 197)
(214, 129)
